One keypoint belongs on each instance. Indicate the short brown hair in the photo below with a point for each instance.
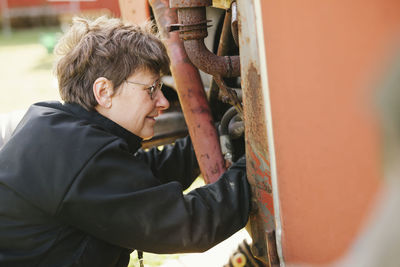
(105, 47)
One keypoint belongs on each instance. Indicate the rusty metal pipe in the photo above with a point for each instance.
(193, 30)
(189, 3)
(225, 40)
(236, 127)
(191, 95)
(201, 57)
(229, 114)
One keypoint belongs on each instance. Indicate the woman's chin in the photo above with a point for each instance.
(145, 135)
(147, 138)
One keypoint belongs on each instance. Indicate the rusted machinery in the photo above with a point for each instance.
(297, 77)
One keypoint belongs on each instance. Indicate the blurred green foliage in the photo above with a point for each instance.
(27, 36)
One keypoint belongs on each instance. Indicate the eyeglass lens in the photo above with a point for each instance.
(155, 88)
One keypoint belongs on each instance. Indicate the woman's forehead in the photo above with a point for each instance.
(145, 75)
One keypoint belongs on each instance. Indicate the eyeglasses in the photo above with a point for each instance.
(151, 90)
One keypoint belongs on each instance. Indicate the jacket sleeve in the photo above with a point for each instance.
(117, 199)
(175, 162)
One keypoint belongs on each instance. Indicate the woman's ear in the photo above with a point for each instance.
(103, 91)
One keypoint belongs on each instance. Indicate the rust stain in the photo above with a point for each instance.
(190, 3)
(200, 109)
(254, 108)
(191, 94)
(258, 167)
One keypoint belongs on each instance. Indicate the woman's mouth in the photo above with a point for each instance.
(153, 118)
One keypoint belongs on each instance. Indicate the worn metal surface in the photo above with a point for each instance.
(200, 56)
(258, 141)
(224, 4)
(189, 3)
(191, 95)
(192, 23)
(225, 66)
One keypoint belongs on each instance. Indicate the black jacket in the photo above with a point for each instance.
(76, 190)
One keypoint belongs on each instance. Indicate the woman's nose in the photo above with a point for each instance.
(162, 102)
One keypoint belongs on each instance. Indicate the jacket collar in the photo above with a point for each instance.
(134, 141)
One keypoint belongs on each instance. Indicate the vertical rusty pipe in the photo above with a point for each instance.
(191, 95)
(224, 40)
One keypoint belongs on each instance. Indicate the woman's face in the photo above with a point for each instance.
(133, 108)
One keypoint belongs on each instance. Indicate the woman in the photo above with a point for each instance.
(75, 187)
